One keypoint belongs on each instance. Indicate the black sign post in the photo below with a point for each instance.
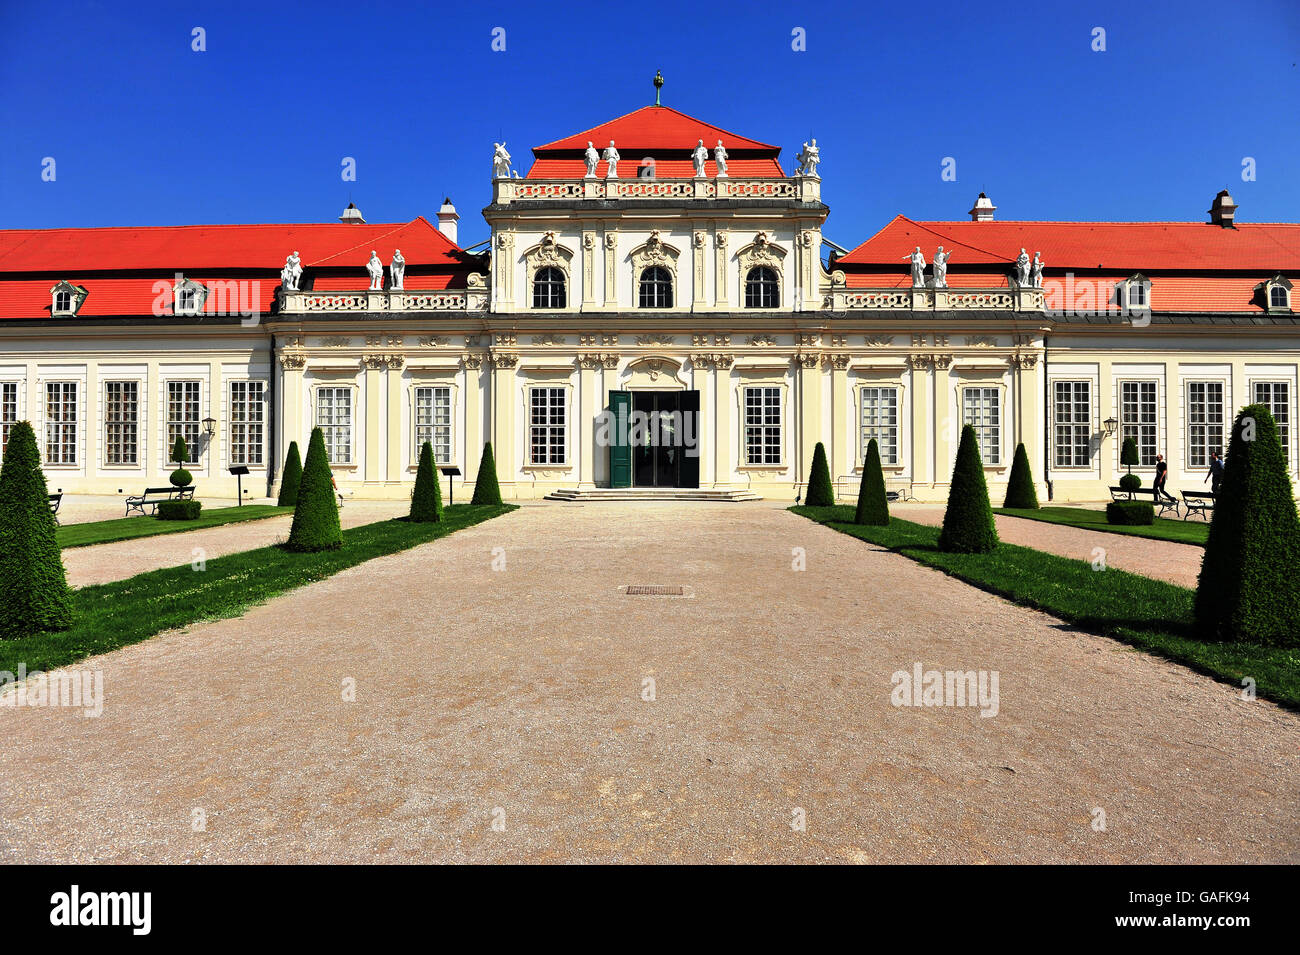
(239, 471)
(451, 471)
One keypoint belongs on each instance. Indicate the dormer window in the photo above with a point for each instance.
(1276, 294)
(1134, 294)
(188, 297)
(67, 298)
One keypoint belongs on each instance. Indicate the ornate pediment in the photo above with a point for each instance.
(761, 252)
(655, 251)
(548, 252)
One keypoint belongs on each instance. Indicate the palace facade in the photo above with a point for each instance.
(689, 289)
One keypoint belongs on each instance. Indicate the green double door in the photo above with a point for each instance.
(654, 440)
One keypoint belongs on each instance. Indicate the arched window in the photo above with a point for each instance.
(1278, 297)
(1137, 294)
(656, 288)
(63, 301)
(761, 288)
(548, 288)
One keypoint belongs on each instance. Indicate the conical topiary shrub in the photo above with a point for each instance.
(1128, 455)
(291, 479)
(34, 593)
(426, 499)
(1248, 588)
(316, 515)
(873, 505)
(820, 492)
(180, 454)
(1020, 486)
(486, 488)
(968, 522)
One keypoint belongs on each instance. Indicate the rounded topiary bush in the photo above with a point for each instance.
(1020, 486)
(968, 522)
(1130, 482)
(486, 488)
(180, 454)
(1249, 589)
(1133, 513)
(178, 510)
(291, 479)
(34, 593)
(426, 498)
(873, 503)
(316, 515)
(820, 491)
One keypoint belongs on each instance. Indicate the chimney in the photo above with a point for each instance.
(983, 209)
(353, 215)
(1222, 210)
(447, 220)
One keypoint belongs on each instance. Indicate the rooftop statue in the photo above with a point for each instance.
(1022, 268)
(941, 268)
(700, 156)
(291, 272)
(918, 268)
(1036, 271)
(500, 161)
(612, 157)
(592, 157)
(397, 270)
(376, 270)
(808, 159)
(720, 157)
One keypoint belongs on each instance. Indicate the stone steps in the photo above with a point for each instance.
(622, 494)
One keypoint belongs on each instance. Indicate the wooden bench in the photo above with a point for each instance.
(55, 501)
(1157, 500)
(1198, 502)
(153, 496)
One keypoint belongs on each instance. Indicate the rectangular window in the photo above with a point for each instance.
(61, 422)
(433, 422)
(1072, 410)
(763, 425)
(1276, 397)
(546, 425)
(247, 414)
(8, 411)
(121, 422)
(334, 418)
(1137, 412)
(183, 418)
(880, 421)
(1204, 421)
(981, 409)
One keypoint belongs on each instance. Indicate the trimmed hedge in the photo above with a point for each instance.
(1248, 588)
(968, 526)
(1128, 453)
(1130, 482)
(426, 498)
(486, 488)
(1020, 485)
(316, 515)
(178, 510)
(820, 491)
(873, 504)
(1130, 513)
(34, 594)
(291, 479)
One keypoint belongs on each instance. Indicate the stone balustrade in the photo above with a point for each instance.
(932, 299)
(797, 188)
(471, 299)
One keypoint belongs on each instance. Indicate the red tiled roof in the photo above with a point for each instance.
(655, 127)
(1137, 246)
(664, 168)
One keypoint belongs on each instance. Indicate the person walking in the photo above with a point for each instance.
(1162, 475)
(1215, 475)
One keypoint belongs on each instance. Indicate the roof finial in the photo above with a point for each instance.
(659, 84)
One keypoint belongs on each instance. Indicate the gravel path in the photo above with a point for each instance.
(101, 563)
(517, 694)
(1163, 560)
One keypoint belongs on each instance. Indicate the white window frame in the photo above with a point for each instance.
(763, 425)
(8, 411)
(438, 433)
(130, 428)
(1270, 401)
(243, 448)
(548, 425)
(1139, 429)
(1198, 453)
(69, 423)
(191, 431)
(988, 426)
(872, 423)
(339, 434)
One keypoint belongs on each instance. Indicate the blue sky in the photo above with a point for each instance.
(145, 131)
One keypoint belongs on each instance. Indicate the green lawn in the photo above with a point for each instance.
(1194, 531)
(108, 616)
(128, 528)
(1149, 614)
